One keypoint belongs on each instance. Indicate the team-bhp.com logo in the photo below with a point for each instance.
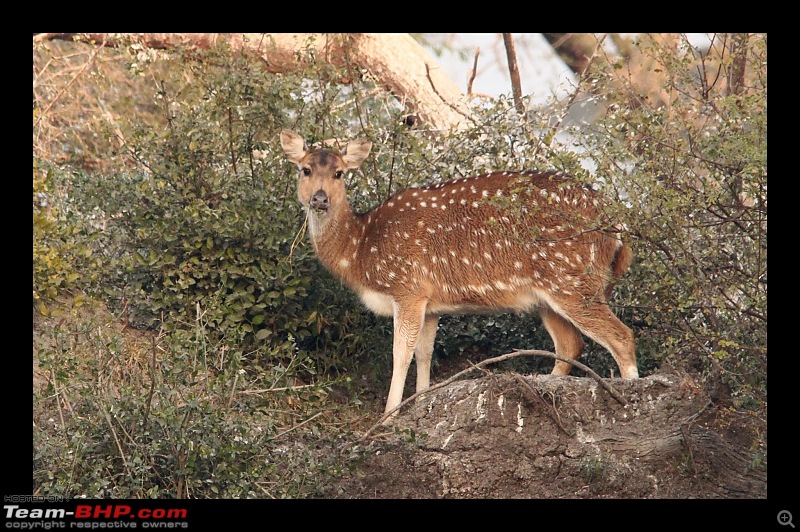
(94, 516)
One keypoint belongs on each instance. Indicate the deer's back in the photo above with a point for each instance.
(504, 240)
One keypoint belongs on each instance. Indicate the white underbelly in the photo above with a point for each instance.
(518, 305)
(521, 301)
(380, 304)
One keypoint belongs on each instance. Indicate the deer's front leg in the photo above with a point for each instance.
(409, 316)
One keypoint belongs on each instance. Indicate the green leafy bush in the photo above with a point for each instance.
(178, 415)
(62, 254)
(691, 176)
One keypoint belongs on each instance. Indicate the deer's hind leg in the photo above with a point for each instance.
(596, 320)
(424, 351)
(566, 337)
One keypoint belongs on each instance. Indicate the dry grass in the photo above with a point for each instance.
(79, 94)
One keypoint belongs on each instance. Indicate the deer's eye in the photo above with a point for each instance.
(338, 174)
(306, 171)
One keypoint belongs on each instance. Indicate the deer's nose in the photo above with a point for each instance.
(319, 201)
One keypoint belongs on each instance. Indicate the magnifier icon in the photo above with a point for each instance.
(785, 518)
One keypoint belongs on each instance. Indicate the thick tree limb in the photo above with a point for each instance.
(396, 61)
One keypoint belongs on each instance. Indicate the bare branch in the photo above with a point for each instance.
(513, 70)
(473, 72)
(739, 60)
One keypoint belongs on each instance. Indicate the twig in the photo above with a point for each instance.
(75, 456)
(116, 440)
(444, 100)
(230, 141)
(687, 440)
(301, 233)
(233, 389)
(296, 426)
(533, 395)
(58, 404)
(581, 78)
(354, 100)
(607, 387)
(109, 118)
(473, 72)
(265, 490)
(152, 371)
(686, 433)
(68, 85)
(281, 389)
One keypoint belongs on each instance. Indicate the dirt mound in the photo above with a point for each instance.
(541, 436)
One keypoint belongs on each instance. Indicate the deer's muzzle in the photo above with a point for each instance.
(319, 201)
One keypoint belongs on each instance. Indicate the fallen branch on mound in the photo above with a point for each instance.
(519, 352)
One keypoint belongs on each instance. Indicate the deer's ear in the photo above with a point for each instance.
(293, 146)
(355, 152)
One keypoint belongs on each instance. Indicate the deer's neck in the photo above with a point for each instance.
(335, 236)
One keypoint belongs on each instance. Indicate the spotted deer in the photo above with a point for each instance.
(499, 242)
